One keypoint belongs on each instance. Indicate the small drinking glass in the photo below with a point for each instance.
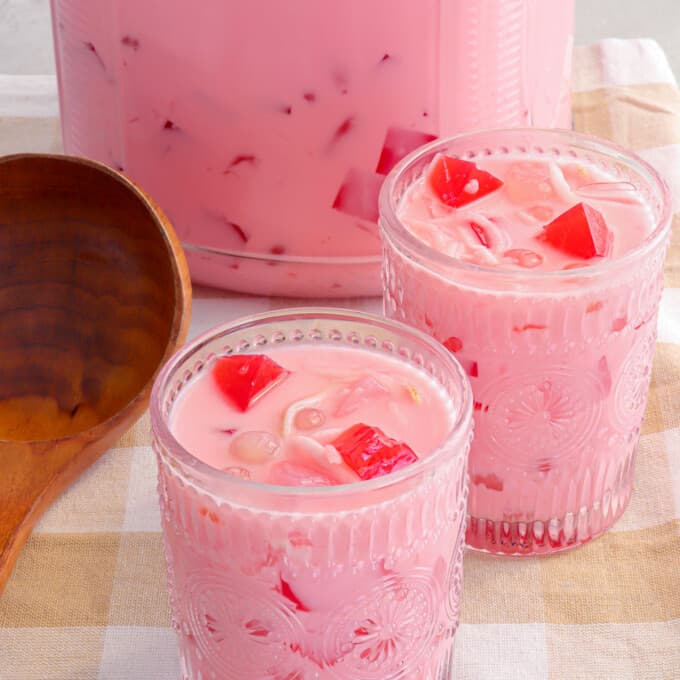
(559, 361)
(383, 555)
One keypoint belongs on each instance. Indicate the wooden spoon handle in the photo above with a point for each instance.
(33, 474)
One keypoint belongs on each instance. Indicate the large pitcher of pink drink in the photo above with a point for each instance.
(265, 129)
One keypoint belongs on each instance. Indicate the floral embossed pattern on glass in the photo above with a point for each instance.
(559, 360)
(359, 581)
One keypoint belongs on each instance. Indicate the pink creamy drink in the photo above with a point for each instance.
(265, 129)
(536, 257)
(312, 477)
(313, 397)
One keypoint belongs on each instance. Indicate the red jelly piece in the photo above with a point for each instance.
(243, 158)
(371, 453)
(580, 231)
(358, 195)
(131, 42)
(481, 234)
(529, 327)
(342, 129)
(619, 324)
(239, 231)
(604, 375)
(289, 594)
(490, 481)
(470, 367)
(244, 378)
(457, 182)
(453, 344)
(399, 142)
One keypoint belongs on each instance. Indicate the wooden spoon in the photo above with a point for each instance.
(94, 297)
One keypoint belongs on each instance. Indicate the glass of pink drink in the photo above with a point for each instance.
(312, 481)
(536, 257)
(265, 129)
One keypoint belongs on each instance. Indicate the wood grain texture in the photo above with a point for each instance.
(94, 298)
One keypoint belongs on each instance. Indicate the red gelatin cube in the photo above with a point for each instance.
(297, 539)
(244, 378)
(343, 129)
(490, 481)
(457, 182)
(580, 231)
(210, 514)
(237, 230)
(470, 367)
(604, 374)
(90, 46)
(453, 344)
(288, 593)
(529, 327)
(481, 234)
(371, 453)
(243, 158)
(358, 195)
(399, 142)
(131, 42)
(619, 324)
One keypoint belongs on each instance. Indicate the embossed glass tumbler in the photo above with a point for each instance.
(559, 361)
(379, 561)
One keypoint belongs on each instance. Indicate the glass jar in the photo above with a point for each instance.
(265, 129)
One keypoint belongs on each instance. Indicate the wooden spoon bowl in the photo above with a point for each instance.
(94, 298)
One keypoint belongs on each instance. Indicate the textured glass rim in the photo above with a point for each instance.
(174, 450)
(392, 227)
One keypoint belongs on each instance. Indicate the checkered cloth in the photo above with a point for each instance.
(87, 598)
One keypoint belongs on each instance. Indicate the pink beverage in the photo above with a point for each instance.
(265, 129)
(537, 258)
(313, 480)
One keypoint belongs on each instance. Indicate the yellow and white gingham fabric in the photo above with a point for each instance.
(87, 599)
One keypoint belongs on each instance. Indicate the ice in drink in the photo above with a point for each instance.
(537, 259)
